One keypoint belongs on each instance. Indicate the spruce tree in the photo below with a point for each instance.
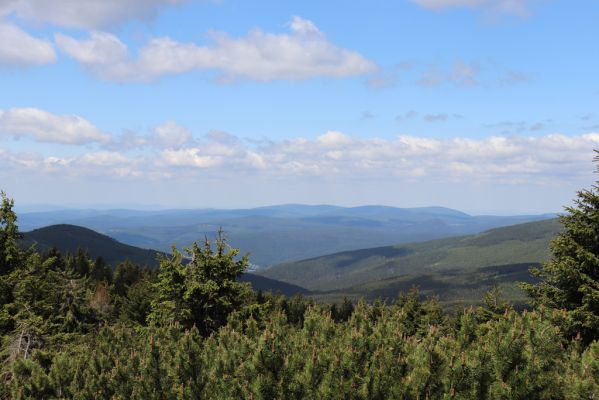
(9, 234)
(570, 280)
(202, 292)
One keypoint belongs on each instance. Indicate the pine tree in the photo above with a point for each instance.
(570, 281)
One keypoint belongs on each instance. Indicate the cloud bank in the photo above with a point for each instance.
(170, 150)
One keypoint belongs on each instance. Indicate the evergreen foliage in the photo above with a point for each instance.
(203, 292)
(9, 234)
(570, 281)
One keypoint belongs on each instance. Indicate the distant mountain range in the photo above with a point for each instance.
(457, 269)
(278, 234)
(70, 238)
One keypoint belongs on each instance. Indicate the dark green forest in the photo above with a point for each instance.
(73, 327)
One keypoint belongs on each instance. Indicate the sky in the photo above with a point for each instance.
(486, 106)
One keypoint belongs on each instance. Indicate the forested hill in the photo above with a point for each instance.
(70, 238)
(272, 285)
(458, 268)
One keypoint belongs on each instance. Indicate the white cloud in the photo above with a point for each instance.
(190, 158)
(100, 49)
(18, 48)
(518, 7)
(171, 135)
(334, 139)
(88, 165)
(85, 14)
(103, 159)
(43, 126)
(216, 149)
(303, 53)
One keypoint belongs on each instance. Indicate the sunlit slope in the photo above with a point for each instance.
(520, 245)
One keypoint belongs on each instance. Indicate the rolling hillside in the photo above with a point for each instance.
(458, 268)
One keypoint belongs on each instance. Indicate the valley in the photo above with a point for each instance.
(278, 234)
(458, 270)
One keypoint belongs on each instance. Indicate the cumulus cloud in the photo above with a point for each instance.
(18, 48)
(103, 159)
(168, 135)
(85, 14)
(334, 139)
(517, 7)
(43, 126)
(109, 164)
(216, 149)
(171, 135)
(303, 53)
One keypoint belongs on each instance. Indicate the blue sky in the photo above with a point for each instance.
(480, 105)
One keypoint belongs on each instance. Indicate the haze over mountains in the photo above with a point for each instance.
(278, 234)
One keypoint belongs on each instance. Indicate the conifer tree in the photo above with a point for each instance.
(203, 292)
(9, 234)
(570, 281)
